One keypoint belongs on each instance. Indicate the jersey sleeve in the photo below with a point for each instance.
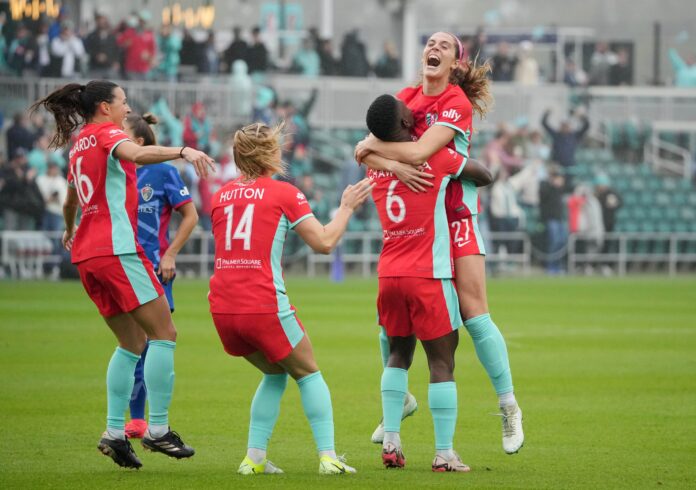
(449, 162)
(295, 206)
(110, 137)
(174, 188)
(455, 112)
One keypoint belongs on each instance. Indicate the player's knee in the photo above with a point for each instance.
(401, 360)
(441, 370)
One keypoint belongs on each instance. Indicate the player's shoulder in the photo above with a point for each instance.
(454, 94)
(109, 130)
(408, 93)
(444, 156)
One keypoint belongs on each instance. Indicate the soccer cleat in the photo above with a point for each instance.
(410, 406)
(334, 466)
(169, 444)
(136, 428)
(393, 457)
(440, 464)
(248, 467)
(120, 450)
(513, 435)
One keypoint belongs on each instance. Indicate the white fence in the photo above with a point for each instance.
(37, 255)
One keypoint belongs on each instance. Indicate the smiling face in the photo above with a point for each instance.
(439, 56)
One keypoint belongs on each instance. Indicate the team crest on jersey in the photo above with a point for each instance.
(430, 118)
(147, 192)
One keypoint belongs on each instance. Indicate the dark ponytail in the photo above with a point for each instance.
(74, 104)
(140, 125)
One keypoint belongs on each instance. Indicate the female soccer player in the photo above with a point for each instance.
(417, 297)
(114, 270)
(443, 105)
(161, 190)
(252, 313)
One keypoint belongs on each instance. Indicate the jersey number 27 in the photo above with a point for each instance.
(243, 230)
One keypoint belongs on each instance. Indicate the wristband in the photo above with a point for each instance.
(181, 153)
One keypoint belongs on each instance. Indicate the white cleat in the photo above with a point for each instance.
(334, 466)
(410, 406)
(513, 435)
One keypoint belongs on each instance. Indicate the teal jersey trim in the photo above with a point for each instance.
(469, 196)
(297, 222)
(441, 243)
(276, 267)
(122, 236)
(138, 277)
(462, 139)
(477, 234)
(452, 302)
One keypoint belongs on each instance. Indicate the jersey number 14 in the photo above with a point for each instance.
(243, 229)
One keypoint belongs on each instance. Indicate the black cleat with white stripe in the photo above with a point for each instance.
(120, 450)
(169, 444)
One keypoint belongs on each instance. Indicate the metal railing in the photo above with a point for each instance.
(642, 103)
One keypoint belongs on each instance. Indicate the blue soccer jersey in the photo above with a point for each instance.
(160, 190)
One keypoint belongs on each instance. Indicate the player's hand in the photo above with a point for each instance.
(355, 195)
(364, 148)
(413, 177)
(67, 240)
(202, 162)
(167, 268)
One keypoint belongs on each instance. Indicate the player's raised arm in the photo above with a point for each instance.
(157, 154)
(324, 238)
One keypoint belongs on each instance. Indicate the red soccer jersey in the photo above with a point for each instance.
(416, 233)
(108, 193)
(452, 109)
(250, 223)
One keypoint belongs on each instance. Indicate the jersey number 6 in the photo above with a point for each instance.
(83, 193)
(391, 201)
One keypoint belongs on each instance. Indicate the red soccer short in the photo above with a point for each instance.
(274, 334)
(426, 308)
(465, 237)
(119, 283)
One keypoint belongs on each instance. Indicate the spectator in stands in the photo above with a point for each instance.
(41, 156)
(257, 54)
(536, 148)
(478, 45)
(53, 187)
(573, 75)
(241, 92)
(388, 65)
(585, 220)
(499, 152)
(330, 66)
(551, 215)
(565, 140)
(621, 72)
(209, 62)
(684, 70)
(527, 67)
(21, 50)
(169, 47)
(505, 213)
(68, 48)
(102, 49)
(42, 63)
(610, 202)
(4, 67)
(20, 199)
(138, 43)
(19, 136)
(237, 50)
(353, 56)
(306, 61)
(197, 128)
(503, 64)
(189, 50)
(600, 64)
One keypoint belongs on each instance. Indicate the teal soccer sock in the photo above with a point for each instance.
(394, 388)
(491, 351)
(159, 379)
(384, 346)
(316, 401)
(119, 386)
(265, 408)
(442, 398)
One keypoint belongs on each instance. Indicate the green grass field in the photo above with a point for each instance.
(605, 371)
